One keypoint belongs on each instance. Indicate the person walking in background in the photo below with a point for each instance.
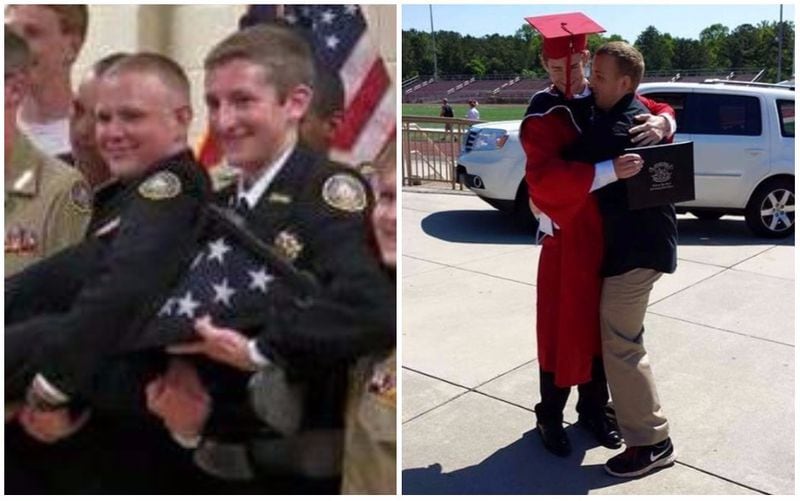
(472, 112)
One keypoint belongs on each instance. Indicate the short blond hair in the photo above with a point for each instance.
(73, 19)
(283, 53)
(630, 61)
(168, 71)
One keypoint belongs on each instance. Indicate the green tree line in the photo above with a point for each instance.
(718, 48)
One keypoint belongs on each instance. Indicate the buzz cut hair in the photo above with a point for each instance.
(629, 60)
(281, 51)
(168, 71)
(17, 53)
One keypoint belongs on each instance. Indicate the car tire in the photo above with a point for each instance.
(707, 215)
(522, 212)
(766, 213)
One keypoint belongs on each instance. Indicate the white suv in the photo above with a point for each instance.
(744, 153)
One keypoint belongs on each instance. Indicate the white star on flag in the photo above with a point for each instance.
(351, 9)
(217, 250)
(223, 293)
(187, 305)
(332, 41)
(328, 17)
(260, 279)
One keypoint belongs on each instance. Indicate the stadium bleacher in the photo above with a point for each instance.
(514, 89)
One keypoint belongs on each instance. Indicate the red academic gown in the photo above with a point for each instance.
(569, 280)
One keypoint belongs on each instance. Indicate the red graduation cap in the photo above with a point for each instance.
(564, 35)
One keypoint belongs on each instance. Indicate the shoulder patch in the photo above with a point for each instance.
(344, 192)
(80, 197)
(160, 186)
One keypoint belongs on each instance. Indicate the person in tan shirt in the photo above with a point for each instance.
(47, 204)
(370, 447)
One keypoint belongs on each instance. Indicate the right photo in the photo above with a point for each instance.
(598, 208)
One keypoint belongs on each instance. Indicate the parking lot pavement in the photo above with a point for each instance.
(720, 334)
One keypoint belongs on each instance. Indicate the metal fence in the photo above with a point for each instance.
(431, 146)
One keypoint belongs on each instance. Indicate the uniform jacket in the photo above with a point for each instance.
(47, 206)
(80, 302)
(353, 315)
(370, 447)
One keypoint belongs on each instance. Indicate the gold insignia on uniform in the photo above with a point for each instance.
(383, 384)
(344, 192)
(80, 195)
(289, 245)
(279, 198)
(160, 186)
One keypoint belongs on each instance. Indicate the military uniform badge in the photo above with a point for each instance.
(383, 384)
(161, 186)
(81, 197)
(288, 245)
(344, 192)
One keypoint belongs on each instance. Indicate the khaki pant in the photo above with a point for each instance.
(623, 303)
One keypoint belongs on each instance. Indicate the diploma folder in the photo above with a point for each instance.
(667, 175)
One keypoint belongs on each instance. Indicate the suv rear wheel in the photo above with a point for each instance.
(770, 212)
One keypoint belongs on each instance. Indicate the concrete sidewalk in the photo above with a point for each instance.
(720, 333)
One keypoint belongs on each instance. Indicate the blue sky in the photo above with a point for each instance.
(686, 21)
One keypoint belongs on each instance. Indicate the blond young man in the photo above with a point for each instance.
(55, 34)
(640, 246)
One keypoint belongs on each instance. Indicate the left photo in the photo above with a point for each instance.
(200, 235)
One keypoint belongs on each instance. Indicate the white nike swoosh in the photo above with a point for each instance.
(653, 458)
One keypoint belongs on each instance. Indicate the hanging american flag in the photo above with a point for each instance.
(341, 43)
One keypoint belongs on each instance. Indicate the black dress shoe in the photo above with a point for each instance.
(603, 428)
(554, 438)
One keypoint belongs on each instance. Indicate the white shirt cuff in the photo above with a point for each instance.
(187, 442)
(48, 391)
(673, 127)
(256, 357)
(603, 175)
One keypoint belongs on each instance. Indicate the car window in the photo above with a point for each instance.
(674, 99)
(786, 112)
(726, 115)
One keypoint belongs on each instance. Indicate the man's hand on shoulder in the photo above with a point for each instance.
(651, 130)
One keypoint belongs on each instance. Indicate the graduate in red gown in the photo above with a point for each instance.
(569, 280)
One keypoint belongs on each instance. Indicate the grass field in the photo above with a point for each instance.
(489, 112)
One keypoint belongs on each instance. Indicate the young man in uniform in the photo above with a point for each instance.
(640, 246)
(55, 34)
(110, 280)
(315, 213)
(48, 205)
(568, 283)
(64, 313)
